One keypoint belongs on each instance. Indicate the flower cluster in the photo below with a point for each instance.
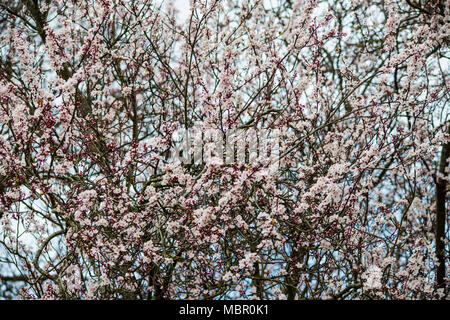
(93, 205)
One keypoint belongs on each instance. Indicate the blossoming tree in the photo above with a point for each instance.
(93, 206)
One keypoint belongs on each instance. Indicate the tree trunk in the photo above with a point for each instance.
(441, 189)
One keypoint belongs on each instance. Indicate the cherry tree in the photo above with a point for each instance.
(93, 205)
